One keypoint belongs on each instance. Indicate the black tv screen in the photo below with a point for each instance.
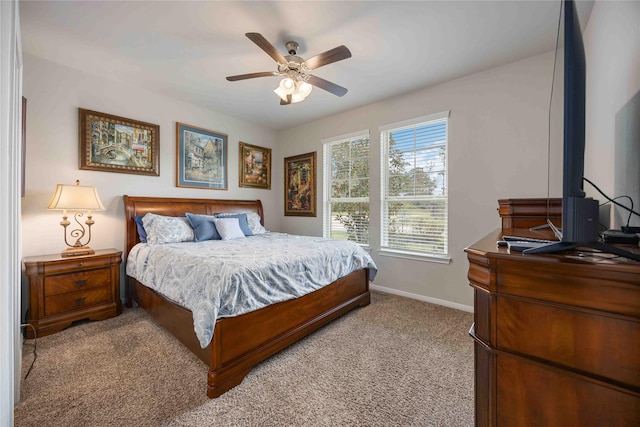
(579, 213)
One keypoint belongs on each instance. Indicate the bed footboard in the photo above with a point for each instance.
(241, 342)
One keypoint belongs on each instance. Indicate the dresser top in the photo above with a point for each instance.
(487, 247)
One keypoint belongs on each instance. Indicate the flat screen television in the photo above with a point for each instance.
(579, 213)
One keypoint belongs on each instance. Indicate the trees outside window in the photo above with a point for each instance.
(414, 191)
(346, 189)
(414, 186)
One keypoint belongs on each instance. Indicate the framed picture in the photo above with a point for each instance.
(115, 144)
(202, 158)
(254, 166)
(300, 185)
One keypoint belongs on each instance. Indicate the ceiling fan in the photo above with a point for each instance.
(297, 82)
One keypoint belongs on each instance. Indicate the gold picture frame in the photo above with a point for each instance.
(254, 166)
(300, 185)
(111, 143)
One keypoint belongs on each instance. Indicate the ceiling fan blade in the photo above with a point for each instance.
(327, 85)
(336, 54)
(287, 102)
(251, 76)
(267, 47)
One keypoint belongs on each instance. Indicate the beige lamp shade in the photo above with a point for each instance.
(76, 198)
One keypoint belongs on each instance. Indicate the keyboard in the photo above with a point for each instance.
(519, 246)
(526, 239)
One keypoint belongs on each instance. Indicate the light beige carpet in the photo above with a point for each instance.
(397, 362)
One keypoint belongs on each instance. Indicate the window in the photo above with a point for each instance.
(346, 188)
(414, 186)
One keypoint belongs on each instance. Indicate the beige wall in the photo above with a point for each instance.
(612, 41)
(497, 149)
(497, 146)
(54, 93)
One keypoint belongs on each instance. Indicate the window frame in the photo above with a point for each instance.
(384, 248)
(327, 182)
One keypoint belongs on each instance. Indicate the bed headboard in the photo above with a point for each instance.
(134, 206)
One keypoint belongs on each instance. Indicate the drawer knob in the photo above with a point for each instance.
(80, 283)
(80, 301)
(80, 264)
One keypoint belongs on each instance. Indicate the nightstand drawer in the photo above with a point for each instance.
(74, 265)
(76, 300)
(76, 282)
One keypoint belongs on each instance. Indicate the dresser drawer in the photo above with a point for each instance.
(578, 340)
(74, 265)
(73, 301)
(76, 282)
(530, 394)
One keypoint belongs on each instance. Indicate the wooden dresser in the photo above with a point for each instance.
(557, 337)
(64, 290)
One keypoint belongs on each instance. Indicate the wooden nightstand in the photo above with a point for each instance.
(64, 290)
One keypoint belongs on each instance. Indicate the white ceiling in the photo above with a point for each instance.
(186, 49)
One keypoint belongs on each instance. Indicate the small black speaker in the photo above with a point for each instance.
(618, 236)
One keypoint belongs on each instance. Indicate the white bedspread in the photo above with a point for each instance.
(216, 278)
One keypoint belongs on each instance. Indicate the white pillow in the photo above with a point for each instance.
(254, 223)
(167, 229)
(229, 228)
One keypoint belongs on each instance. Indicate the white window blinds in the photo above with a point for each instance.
(346, 188)
(414, 186)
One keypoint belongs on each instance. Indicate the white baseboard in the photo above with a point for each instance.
(437, 301)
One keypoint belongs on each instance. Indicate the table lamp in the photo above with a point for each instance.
(76, 198)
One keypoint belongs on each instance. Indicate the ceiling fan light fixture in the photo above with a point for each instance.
(298, 92)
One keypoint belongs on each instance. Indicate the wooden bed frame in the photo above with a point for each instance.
(238, 342)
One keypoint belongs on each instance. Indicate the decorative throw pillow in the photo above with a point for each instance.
(167, 229)
(203, 227)
(254, 223)
(242, 219)
(142, 234)
(229, 228)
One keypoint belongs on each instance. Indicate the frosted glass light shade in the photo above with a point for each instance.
(296, 97)
(287, 85)
(304, 88)
(278, 91)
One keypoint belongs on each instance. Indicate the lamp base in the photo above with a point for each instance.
(77, 251)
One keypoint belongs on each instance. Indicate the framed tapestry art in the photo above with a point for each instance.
(116, 144)
(300, 185)
(201, 155)
(254, 166)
